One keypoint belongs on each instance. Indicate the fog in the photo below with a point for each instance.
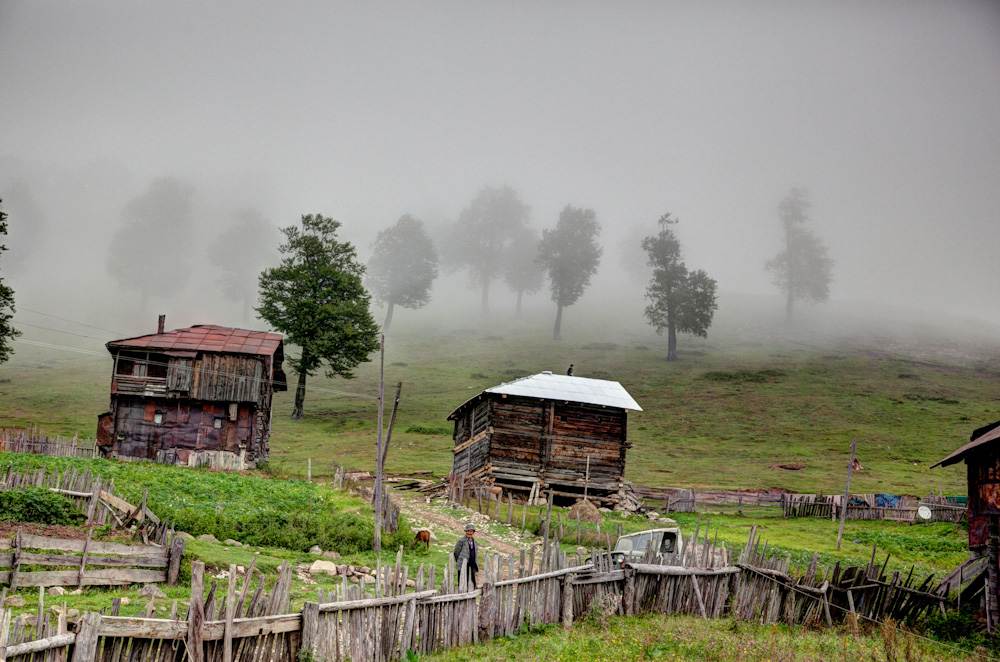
(886, 112)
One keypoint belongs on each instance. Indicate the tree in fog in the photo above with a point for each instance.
(680, 301)
(7, 332)
(632, 260)
(316, 298)
(30, 230)
(402, 267)
(150, 251)
(240, 253)
(522, 272)
(802, 269)
(570, 255)
(481, 238)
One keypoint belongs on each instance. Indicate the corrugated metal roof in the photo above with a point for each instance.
(548, 386)
(207, 338)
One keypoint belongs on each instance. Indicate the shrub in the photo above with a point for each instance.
(38, 506)
(427, 429)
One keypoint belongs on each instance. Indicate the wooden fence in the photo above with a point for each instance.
(940, 509)
(85, 562)
(17, 440)
(377, 620)
(94, 496)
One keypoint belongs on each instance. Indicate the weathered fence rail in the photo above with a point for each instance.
(85, 562)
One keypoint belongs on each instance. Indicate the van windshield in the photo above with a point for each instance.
(636, 543)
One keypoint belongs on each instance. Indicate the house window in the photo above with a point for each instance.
(218, 423)
(157, 418)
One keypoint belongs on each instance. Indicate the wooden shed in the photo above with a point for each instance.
(982, 460)
(195, 396)
(546, 432)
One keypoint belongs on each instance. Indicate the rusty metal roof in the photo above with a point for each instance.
(959, 454)
(547, 386)
(206, 338)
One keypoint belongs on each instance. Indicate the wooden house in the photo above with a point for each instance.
(982, 460)
(546, 432)
(195, 396)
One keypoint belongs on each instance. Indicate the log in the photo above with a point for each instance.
(39, 645)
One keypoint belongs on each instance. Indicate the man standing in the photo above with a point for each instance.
(570, 371)
(465, 548)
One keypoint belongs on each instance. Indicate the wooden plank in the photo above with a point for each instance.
(101, 577)
(547, 575)
(196, 613)
(451, 597)
(70, 560)
(32, 541)
(227, 655)
(85, 646)
(39, 645)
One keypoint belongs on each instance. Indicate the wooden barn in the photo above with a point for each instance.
(546, 432)
(195, 396)
(982, 460)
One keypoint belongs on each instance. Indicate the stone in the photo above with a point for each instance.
(331, 554)
(364, 570)
(126, 601)
(582, 551)
(315, 550)
(241, 570)
(604, 510)
(233, 543)
(151, 591)
(72, 613)
(56, 590)
(652, 515)
(410, 583)
(320, 566)
(78, 591)
(14, 601)
(207, 537)
(368, 579)
(185, 535)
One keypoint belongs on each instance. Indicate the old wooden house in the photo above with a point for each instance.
(982, 460)
(195, 396)
(546, 432)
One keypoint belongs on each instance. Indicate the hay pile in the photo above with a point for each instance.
(587, 512)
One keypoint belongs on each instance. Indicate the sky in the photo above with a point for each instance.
(887, 112)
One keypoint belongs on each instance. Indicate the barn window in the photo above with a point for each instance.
(157, 418)
(218, 423)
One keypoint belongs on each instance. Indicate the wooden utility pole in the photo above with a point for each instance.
(392, 422)
(847, 493)
(586, 480)
(378, 448)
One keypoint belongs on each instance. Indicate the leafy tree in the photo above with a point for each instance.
(802, 269)
(150, 251)
(7, 332)
(483, 234)
(680, 301)
(570, 255)
(316, 298)
(522, 273)
(402, 267)
(240, 253)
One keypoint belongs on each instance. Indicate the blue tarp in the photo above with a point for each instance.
(887, 500)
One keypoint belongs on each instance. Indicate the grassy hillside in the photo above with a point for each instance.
(752, 396)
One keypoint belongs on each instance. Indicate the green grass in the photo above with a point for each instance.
(734, 407)
(686, 638)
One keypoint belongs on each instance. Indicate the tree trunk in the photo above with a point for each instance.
(556, 333)
(671, 342)
(486, 298)
(388, 319)
(300, 398)
(520, 292)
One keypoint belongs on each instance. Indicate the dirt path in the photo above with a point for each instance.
(447, 528)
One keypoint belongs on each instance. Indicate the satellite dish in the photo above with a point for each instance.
(924, 513)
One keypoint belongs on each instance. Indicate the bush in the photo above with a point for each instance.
(38, 505)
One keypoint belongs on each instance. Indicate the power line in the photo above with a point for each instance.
(45, 328)
(63, 319)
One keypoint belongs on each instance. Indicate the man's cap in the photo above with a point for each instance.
(470, 527)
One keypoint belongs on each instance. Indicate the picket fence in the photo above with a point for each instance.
(381, 622)
(19, 440)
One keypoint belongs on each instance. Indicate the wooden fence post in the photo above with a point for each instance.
(486, 608)
(92, 508)
(174, 559)
(628, 598)
(85, 646)
(310, 628)
(196, 614)
(567, 602)
(227, 651)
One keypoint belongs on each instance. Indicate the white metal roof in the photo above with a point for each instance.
(574, 389)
